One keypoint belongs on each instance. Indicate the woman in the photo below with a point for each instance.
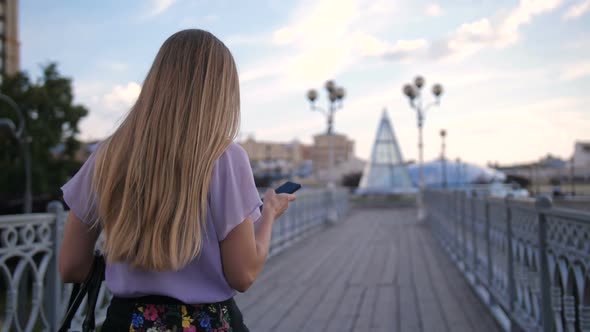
(175, 198)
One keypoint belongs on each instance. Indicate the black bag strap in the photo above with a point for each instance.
(90, 286)
(93, 291)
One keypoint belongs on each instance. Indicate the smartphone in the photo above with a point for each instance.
(286, 188)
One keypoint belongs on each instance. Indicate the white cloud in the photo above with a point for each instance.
(522, 15)
(284, 36)
(324, 38)
(371, 46)
(469, 38)
(575, 71)
(466, 40)
(121, 97)
(406, 50)
(433, 9)
(318, 39)
(577, 10)
(259, 71)
(158, 7)
(107, 105)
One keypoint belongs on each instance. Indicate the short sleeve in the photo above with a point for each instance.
(233, 194)
(77, 193)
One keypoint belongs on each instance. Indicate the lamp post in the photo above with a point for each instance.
(19, 133)
(414, 94)
(443, 160)
(335, 96)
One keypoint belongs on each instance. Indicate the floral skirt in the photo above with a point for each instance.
(164, 314)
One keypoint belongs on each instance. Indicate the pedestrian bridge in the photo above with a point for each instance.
(377, 270)
(474, 264)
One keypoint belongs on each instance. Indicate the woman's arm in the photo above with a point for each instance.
(244, 250)
(77, 250)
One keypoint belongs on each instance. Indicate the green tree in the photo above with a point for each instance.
(51, 123)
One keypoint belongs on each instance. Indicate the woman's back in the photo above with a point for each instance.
(174, 198)
(233, 197)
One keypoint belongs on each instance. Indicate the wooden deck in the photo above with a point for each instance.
(378, 270)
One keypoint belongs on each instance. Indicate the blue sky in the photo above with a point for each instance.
(516, 73)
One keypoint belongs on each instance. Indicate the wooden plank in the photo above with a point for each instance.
(307, 304)
(408, 303)
(323, 313)
(386, 314)
(365, 318)
(345, 315)
(431, 315)
(379, 270)
(467, 310)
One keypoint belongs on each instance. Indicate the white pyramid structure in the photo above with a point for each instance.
(385, 172)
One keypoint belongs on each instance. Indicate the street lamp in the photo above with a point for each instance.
(335, 96)
(443, 160)
(8, 126)
(414, 94)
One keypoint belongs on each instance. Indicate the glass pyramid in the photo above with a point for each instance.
(386, 172)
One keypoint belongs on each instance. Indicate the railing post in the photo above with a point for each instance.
(488, 235)
(543, 203)
(473, 233)
(456, 223)
(462, 209)
(451, 222)
(53, 287)
(511, 278)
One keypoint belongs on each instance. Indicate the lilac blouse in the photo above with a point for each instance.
(233, 198)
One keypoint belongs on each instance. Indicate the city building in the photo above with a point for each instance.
(343, 150)
(540, 171)
(582, 155)
(9, 43)
(551, 168)
(294, 158)
(277, 159)
(293, 152)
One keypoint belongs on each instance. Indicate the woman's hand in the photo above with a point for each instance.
(244, 250)
(276, 204)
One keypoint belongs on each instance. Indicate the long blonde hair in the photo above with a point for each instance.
(152, 174)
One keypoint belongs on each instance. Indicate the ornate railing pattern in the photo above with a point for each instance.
(531, 260)
(32, 298)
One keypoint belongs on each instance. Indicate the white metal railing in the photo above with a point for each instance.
(529, 259)
(32, 297)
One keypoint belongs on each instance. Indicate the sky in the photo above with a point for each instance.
(516, 74)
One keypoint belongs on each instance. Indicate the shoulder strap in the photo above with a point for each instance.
(90, 286)
(93, 290)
